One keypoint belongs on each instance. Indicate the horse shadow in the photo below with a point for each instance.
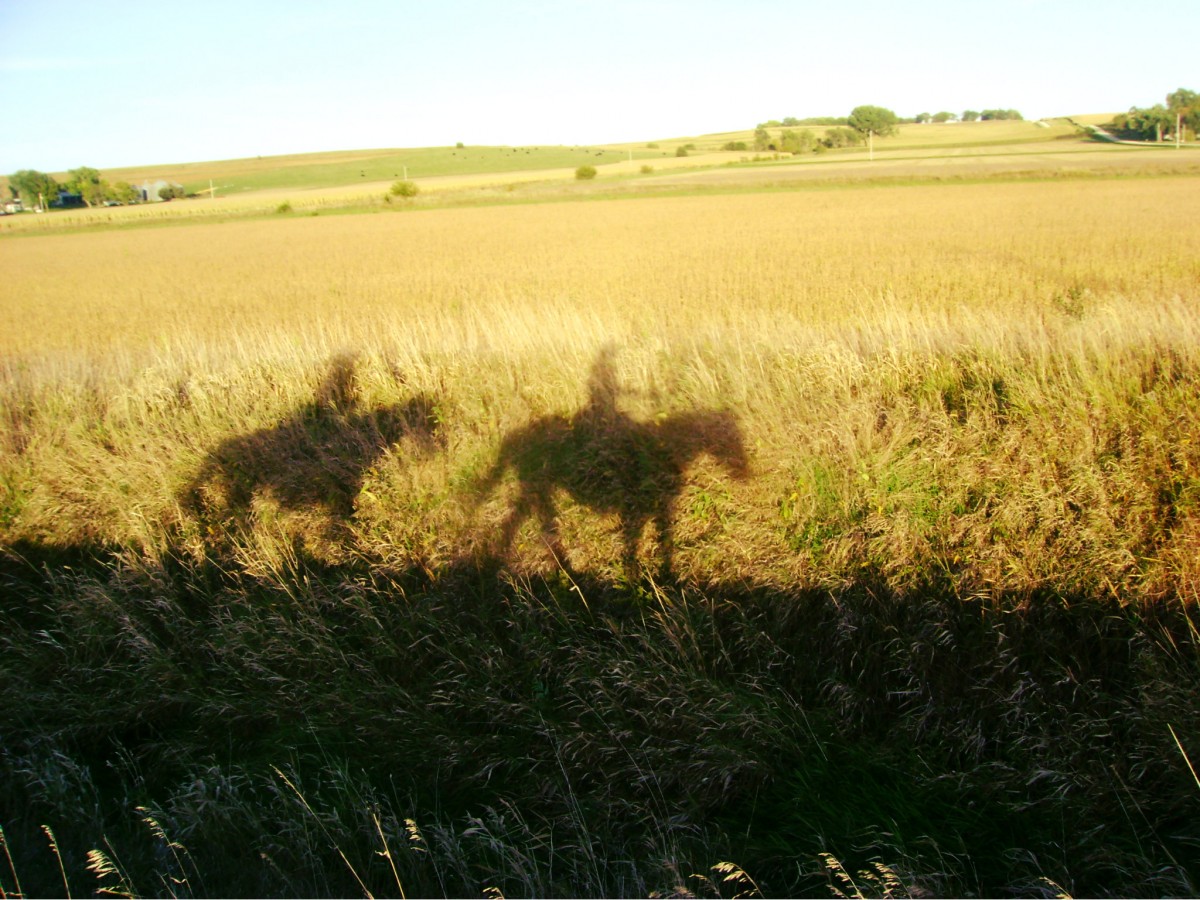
(315, 460)
(612, 463)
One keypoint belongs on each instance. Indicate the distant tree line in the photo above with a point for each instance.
(852, 130)
(1160, 122)
(792, 121)
(863, 123)
(86, 183)
(967, 115)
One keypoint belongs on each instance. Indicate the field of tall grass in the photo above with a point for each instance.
(417, 554)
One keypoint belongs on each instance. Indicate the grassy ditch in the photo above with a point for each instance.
(210, 733)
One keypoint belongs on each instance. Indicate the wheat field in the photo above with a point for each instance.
(776, 306)
(249, 496)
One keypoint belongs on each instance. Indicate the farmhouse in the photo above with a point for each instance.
(68, 200)
(147, 191)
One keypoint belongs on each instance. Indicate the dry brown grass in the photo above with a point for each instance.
(852, 267)
(829, 320)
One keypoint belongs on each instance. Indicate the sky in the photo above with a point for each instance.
(112, 83)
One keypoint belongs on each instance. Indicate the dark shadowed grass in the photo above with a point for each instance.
(566, 737)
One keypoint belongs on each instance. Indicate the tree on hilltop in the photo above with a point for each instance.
(869, 121)
(873, 120)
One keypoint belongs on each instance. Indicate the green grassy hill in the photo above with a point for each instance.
(349, 167)
(345, 168)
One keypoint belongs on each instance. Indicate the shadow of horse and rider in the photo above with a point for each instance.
(313, 461)
(316, 460)
(604, 459)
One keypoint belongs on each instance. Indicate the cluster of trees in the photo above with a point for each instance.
(967, 115)
(1000, 114)
(1180, 114)
(792, 121)
(848, 131)
(791, 141)
(863, 123)
(87, 183)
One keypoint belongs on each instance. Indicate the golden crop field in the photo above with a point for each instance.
(980, 263)
(847, 528)
(765, 302)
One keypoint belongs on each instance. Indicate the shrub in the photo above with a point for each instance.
(681, 151)
(405, 188)
(284, 207)
(646, 170)
(796, 141)
(585, 173)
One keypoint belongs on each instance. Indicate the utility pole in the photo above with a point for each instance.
(1178, 128)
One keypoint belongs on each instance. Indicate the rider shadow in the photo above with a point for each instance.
(612, 463)
(313, 461)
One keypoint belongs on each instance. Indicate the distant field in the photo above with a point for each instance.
(979, 133)
(1094, 118)
(357, 168)
(1060, 159)
(1042, 156)
(317, 575)
(959, 134)
(351, 168)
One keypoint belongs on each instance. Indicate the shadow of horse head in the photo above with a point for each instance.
(612, 463)
(315, 459)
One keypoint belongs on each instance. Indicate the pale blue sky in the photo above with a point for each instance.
(111, 83)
